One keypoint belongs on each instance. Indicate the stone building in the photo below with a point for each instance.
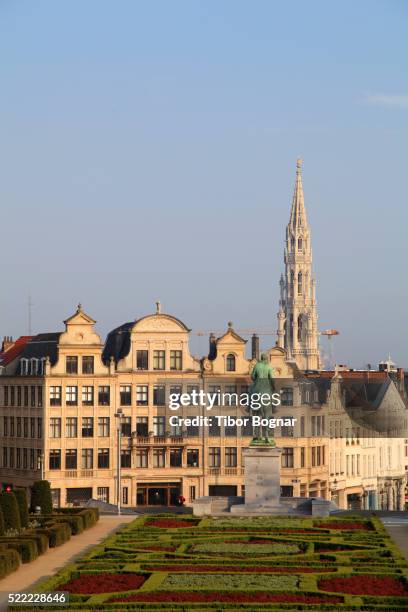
(61, 394)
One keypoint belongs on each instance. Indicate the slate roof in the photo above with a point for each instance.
(117, 343)
(42, 345)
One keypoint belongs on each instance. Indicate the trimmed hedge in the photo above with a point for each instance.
(25, 546)
(40, 538)
(21, 497)
(9, 561)
(41, 496)
(75, 522)
(90, 516)
(57, 533)
(11, 513)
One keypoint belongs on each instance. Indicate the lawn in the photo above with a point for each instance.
(165, 562)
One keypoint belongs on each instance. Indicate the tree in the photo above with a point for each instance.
(11, 513)
(41, 496)
(21, 497)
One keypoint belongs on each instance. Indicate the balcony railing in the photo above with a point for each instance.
(144, 440)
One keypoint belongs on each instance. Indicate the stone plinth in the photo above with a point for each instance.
(262, 480)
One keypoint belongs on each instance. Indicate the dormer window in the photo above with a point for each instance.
(41, 362)
(24, 366)
(230, 363)
(33, 366)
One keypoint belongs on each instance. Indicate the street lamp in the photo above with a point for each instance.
(119, 416)
(41, 464)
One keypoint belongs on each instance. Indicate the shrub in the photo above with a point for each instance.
(11, 514)
(41, 496)
(40, 538)
(21, 497)
(57, 533)
(9, 561)
(90, 516)
(26, 547)
(75, 521)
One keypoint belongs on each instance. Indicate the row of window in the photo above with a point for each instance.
(22, 458)
(144, 395)
(31, 427)
(22, 427)
(87, 395)
(157, 458)
(32, 366)
(317, 457)
(158, 424)
(142, 361)
(22, 395)
(26, 458)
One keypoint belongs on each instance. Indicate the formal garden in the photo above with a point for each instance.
(260, 563)
(27, 532)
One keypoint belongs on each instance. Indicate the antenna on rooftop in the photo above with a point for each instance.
(29, 310)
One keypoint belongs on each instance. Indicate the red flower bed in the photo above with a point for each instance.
(170, 523)
(103, 583)
(235, 597)
(241, 570)
(365, 585)
(347, 526)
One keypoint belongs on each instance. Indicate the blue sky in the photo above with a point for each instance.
(148, 151)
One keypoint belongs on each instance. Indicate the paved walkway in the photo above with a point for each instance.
(396, 524)
(26, 577)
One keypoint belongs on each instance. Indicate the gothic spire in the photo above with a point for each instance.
(298, 211)
(297, 317)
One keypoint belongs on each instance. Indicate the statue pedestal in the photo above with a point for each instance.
(262, 481)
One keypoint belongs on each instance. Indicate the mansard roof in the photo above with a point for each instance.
(117, 343)
(42, 345)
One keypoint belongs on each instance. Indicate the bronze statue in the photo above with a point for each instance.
(262, 386)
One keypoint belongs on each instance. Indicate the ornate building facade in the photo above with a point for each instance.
(63, 397)
(74, 408)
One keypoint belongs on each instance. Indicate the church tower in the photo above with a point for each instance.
(297, 316)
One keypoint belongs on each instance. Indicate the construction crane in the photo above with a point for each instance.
(253, 330)
(330, 334)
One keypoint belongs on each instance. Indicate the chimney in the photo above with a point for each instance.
(213, 347)
(255, 346)
(7, 343)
